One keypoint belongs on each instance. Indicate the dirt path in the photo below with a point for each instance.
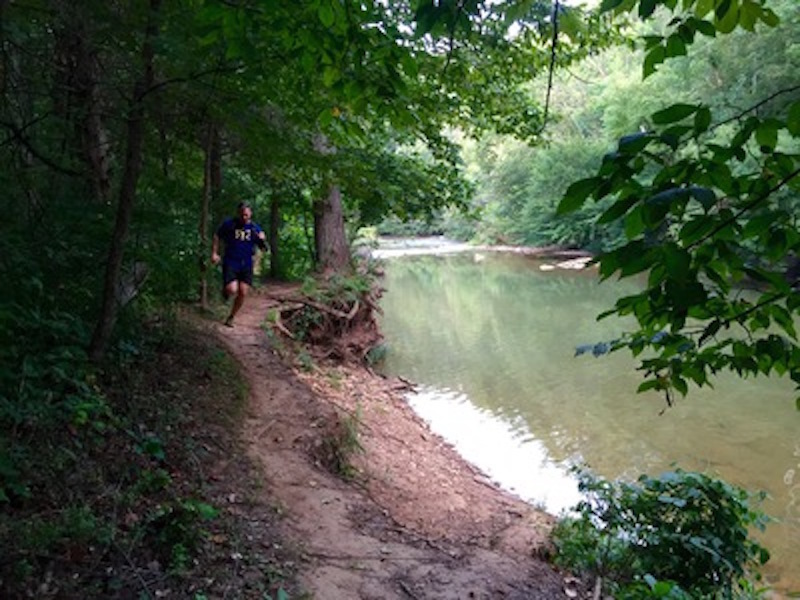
(416, 522)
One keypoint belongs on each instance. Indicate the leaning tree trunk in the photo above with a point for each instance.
(127, 195)
(330, 238)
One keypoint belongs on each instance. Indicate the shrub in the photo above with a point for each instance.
(678, 535)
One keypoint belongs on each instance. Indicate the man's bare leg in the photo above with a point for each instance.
(240, 289)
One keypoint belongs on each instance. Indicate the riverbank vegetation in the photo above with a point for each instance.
(679, 535)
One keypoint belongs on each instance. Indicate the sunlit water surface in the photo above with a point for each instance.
(491, 339)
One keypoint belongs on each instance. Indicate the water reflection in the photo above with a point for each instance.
(502, 449)
(497, 337)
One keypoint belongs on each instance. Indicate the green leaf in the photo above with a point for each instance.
(410, 65)
(769, 18)
(674, 113)
(776, 244)
(706, 28)
(646, 8)
(634, 143)
(325, 117)
(705, 196)
(679, 383)
(702, 119)
(675, 46)
(758, 225)
(617, 210)
(696, 229)
(325, 13)
(676, 260)
(634, 223)
(577, 193)
(741, 137)
(607, 5)
(749, 14)
(634, 258)
(330, 75)
(726, 20)
(652, 384)
(711, 329)
(703, 7)
(767, 135)
(653, 58)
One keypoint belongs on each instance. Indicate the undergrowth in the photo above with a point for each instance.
(105, 485)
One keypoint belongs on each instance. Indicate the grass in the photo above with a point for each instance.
(341, 443)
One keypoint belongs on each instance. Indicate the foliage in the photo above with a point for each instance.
(175, 530)
(343, 289)
(395, 227)
(104, 485)
(707, 208)
(678, 535)
(520, 192)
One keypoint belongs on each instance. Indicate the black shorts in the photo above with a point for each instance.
(236, 273)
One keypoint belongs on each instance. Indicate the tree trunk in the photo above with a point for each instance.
(330, 238)
(94, 136)
(274, 229)
(77, 98)
(216, 171)
(205, 205)
(127, 194)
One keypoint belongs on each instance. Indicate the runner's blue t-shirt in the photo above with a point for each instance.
(240, 241)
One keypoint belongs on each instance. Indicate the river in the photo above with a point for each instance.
(490, 339)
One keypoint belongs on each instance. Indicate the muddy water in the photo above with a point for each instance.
(491, 340)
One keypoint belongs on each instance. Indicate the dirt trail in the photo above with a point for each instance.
(417, 522)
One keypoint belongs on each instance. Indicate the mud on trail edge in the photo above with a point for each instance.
(416, 521)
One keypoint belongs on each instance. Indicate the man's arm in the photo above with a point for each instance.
(215, 249)
(262, 240)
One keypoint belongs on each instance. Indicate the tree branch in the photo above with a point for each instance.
(552, 68)
(756, 106)
(17, 135)
(192, 77)
(747, 207)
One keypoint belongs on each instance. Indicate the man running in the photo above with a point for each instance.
(240, 236)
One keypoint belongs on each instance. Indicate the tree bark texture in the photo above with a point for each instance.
(127, 194)
(77, 98)
(330, 238)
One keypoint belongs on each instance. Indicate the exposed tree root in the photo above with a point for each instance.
(342, 326)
